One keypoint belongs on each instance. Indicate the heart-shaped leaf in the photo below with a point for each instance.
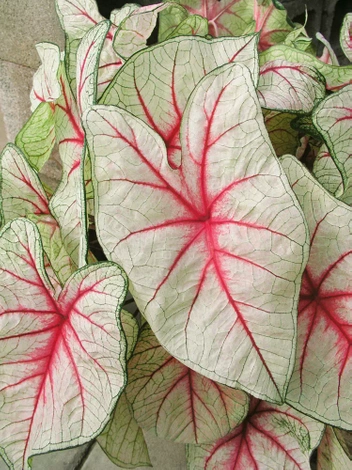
(62, 361)
(322, 379)
(290, 87)
(331, 455)
(182, 62)
(270, 437)
(176, 403)
(346, 36)
(214, 255)
(333, 119)
(336, 76)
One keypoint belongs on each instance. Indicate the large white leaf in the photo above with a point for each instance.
(62, 363)
(181, 63)
(322, 380)
(215, 249)
(271, 437)
(174, 402)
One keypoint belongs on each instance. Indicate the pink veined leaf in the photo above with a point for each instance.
(336, 77)
(62, 361)
(182, 62)
(346, 36)
(289, 87)
(237, 17)
(322, 379)
(333, 119)
(271, 437)
(175, 403)
(331, 454)
(328, 56)
(22, 195)
(214, 256)
(46, 86)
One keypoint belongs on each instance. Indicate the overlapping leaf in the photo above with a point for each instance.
(177, 21)
(346, 36)
(237, 17)
(328, 56)
(327, 173)
(156, 84)
(333, 119)
(176, 403)
(336, 76)
(270, 437)
(214, 256)
(134, 30)
(290, 87)
(331, 455)
(62, 361)
(46, 86)
(322, 379)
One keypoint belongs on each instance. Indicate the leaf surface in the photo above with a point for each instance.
(336, 77)
(62, 361)
(322, 379)
(46, 86)
(331, 455)
(346, 36)
(333, 119)
(289, 87)
(237, 17)
(283, 137)
(176, 403)
(176, 21)
(271, 437)
(135, 28)
(181, 63)
(37, 137)
(22, 195)
(327, 173)
(188, 237)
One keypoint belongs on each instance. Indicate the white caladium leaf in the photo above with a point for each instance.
(87, 62)
(336, 76)
(134, 30)
(290, 87)
(122, 439)
(283, 137)
(331, 455)
(333, 119)
(62, 361)
(346, 36)
(22, 195)
(176, 21)
(182, 62)
(322, 379)
(187, 237)
(327, 173)
(37, 136)
(46, 86)
(271, 437)
(131, 330)
(236, 17)
(174, 402)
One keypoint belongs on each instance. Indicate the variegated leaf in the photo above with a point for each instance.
(346, 36)
(62, 363)
(331, 455)
(271, 437)
(322, 379)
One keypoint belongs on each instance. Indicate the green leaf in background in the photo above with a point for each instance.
(331, 455)
(283, 137)
(176, 21)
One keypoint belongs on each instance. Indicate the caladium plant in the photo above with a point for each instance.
(236, 336)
